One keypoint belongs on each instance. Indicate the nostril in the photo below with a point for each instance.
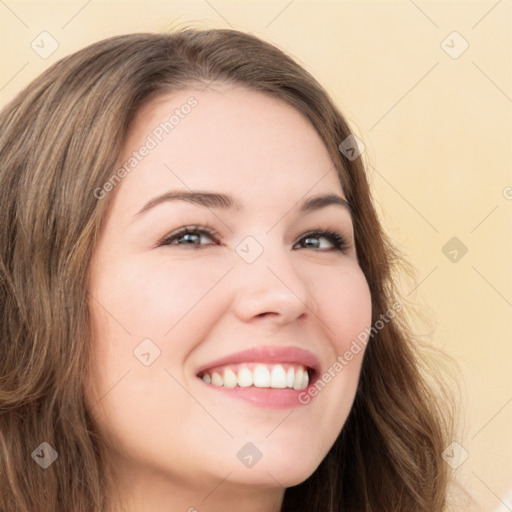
(266, 314)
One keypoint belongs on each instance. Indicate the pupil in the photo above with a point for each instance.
(188, 239)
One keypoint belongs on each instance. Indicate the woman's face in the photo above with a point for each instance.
(251, 302)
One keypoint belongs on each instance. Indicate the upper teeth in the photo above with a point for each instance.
(260, 376)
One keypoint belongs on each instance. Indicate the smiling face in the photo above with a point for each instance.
(259, 301)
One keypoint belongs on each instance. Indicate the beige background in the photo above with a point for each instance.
(437, 131)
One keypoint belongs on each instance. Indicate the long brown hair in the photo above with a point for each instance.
(61, 140)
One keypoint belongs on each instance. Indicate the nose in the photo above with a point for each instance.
(270, 287)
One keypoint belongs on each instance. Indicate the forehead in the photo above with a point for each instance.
(228, 139)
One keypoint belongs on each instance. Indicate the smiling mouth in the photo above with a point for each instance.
(259, 375)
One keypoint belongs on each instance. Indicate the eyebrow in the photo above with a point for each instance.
(226, 202)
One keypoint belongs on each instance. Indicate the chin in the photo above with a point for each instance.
(273, 477)
(278, 467)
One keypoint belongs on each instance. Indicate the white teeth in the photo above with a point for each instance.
(261, 376)
(298, 379)
(278, 377)
(290, 377)
(305, 380)
(229, 378)
(245, 377)
(217, 380)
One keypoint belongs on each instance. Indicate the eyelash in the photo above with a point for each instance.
(339, 242)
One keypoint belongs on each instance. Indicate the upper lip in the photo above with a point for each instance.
(267, 354)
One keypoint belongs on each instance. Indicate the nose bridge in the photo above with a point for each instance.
(267, 279)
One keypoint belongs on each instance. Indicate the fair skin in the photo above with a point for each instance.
(175, 437)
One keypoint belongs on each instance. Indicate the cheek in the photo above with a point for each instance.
(345, 311)
(153, 300)
(344, 306)
(173, 305)
(167, 303)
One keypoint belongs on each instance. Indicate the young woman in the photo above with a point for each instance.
(198, 308)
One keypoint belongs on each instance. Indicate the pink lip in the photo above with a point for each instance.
(266, 397)
(267, 355)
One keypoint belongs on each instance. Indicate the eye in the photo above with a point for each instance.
(336, 239)
(189, 235)
(192, 236)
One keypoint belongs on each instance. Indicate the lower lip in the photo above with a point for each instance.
(270, 398)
